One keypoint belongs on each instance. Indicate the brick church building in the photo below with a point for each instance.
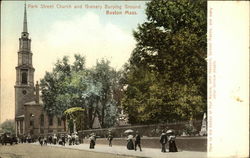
(30, 118)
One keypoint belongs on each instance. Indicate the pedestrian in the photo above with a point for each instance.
(63, 140)
(45, 140)
(77, 141)
(29, 139)
(163, 141)
(73, 138)
(54, 139)
(50, 139)
(92, 141)
(110, 138)
(40, 140)
(130, 144)
(69, 139)
(60, 142)
(171, 140)
(138, 140)
(22, 139)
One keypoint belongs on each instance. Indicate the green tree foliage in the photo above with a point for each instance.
(55, 89)
(8, 126)
(75, 85)
(73, 113)
(103, 73)
(166, 76)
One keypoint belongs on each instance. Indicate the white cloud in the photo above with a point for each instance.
(88, 36)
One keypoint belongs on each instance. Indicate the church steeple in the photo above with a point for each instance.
(25, 33)
(24, 87)
(25, 27)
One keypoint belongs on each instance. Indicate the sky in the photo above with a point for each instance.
(58, 28)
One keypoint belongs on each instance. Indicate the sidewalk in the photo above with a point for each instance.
(146, 152)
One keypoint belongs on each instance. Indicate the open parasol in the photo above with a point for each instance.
(129, 131)
(169, 131)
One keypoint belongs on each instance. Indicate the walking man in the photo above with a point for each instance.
(45, 140)
(63, 140)
(163, 141)
(138, 140)
(40, 139)
(69, 139)
(73, 138)
(110, 138)
(92, 141)
(54, 139)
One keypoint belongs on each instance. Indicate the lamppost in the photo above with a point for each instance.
(32, 120)
(32, 126)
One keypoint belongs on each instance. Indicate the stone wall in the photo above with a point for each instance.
(182, 143)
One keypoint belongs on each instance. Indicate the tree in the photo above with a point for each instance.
(54, 84)
(166, 74)
(8, 126)
(104, 74)
(75, 85)
(89, 95)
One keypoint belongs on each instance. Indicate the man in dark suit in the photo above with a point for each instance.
(138, 140)
(110, 138)
(163, 141)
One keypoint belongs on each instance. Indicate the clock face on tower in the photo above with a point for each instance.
(25, 35)
(24, 92)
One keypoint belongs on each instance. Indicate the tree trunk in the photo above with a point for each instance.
(85, 122)
(99, 117)
(103, 113)
(74, 126)
(90, 117)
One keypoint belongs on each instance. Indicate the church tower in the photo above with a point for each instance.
(24, 87)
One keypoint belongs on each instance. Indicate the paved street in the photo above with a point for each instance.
(36, 151)
(83, 151)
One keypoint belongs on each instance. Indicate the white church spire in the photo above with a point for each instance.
(25, 27)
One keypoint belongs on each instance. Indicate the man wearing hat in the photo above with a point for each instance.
(92, 141)
(138, 140)
(163, 141)
(110, 138)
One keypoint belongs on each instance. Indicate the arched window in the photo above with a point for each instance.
(51, 120)
(42, 120)
(24, 78)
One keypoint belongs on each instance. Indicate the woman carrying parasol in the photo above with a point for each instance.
(130, 143)
(171, 140)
